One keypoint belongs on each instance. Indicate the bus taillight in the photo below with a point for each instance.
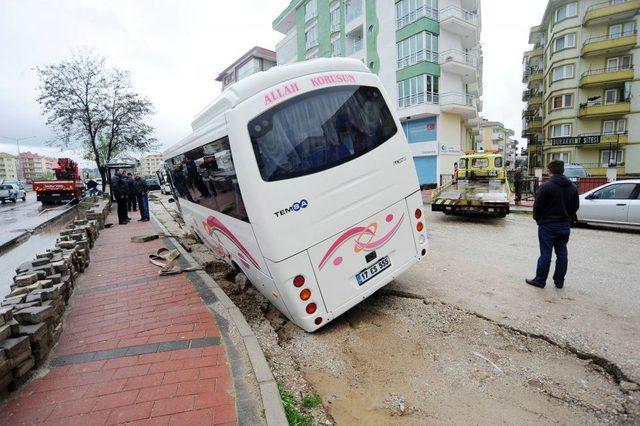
(418, 213)
(305, 294)
(298, 281)
(420, 226)
(311, 308)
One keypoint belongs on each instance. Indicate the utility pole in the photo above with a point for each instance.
(17, 141)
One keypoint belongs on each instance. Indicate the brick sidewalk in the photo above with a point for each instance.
(136, 348)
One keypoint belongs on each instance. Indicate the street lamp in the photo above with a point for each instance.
(17, 141)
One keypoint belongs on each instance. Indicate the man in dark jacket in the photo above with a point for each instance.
(554, 209)
(132, 204)
(120, 191)
(141, 190)
(517, 185)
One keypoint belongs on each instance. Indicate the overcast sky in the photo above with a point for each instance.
(175, 49)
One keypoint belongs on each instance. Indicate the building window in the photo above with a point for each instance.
(311, 37)
(408, 11)
(353, 9)
(560, 130)
(417, 48)
(611, 157)
(621, 30)
(310, 10)
(287, 51)
(248, 68)
(563, 72)
(610, 127)
(566, 11)
(611, 96)
(336, 47)
(420, 89)
(564, 42)
(562, 156)
(335, 20)
(561, 101)
(619, 63)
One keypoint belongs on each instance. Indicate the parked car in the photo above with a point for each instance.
(152, 182)
(12, 192)
(613, 204)
(575, 171)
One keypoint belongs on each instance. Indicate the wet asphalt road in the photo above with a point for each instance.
(480, 265)
(23, 216)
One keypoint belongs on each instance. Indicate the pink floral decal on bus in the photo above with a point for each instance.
(212, 225)
(364, 239)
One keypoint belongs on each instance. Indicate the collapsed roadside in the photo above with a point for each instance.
(401, 358)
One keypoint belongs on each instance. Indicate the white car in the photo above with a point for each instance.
(613, 204)
(11, 192)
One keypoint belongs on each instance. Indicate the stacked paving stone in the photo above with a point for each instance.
(31, 314)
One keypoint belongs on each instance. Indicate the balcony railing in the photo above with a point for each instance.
(607, 70)
(414, 15)
(610, 36)
(458, 56)
(457, 99)
(418, 98)
(531, 72)
(456, 12)
(335, 27)
(353, 46)
(530, 94)
(419, 56)
(596, 14)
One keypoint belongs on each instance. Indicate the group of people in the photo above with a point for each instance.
(131, 193)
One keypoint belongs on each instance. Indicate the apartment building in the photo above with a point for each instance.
(8, 166)
(255, 60)
(149, 164)
(495, 137)
(426, 52)
(34, 166)
(582, 103)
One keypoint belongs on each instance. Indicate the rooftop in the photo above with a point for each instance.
(255, 52)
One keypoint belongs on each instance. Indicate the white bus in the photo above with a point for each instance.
(301, 177)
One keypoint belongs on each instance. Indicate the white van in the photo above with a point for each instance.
(301, 176)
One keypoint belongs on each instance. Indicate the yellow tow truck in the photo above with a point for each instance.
(479, 186)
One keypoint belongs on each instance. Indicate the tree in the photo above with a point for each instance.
(95, 108)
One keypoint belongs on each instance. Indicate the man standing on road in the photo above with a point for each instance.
(120, 191)
(517, 185)
(142, 193)
(554, 209)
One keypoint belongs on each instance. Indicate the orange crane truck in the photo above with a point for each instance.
(66, 187)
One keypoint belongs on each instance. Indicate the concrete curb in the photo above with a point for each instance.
(271, 402)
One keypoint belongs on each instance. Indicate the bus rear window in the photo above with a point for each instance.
(320, 130)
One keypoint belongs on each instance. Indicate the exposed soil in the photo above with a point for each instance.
(398, 358)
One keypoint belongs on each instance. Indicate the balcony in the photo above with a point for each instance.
(604, 110)
(461, 22)
(531, 125)
(458, 103)
(461, 63)
(606, 76)
(421, 12)
(418, 99)
(420, 56)
(536, 51)
(353, 46)
(532, 75)
(532, 97)
(608, 11)
(609, 43)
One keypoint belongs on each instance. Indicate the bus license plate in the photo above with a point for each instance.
(373, 270)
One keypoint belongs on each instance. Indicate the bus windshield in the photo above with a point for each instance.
(320, 130)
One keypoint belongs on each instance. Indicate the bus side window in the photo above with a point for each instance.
(207, 176)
